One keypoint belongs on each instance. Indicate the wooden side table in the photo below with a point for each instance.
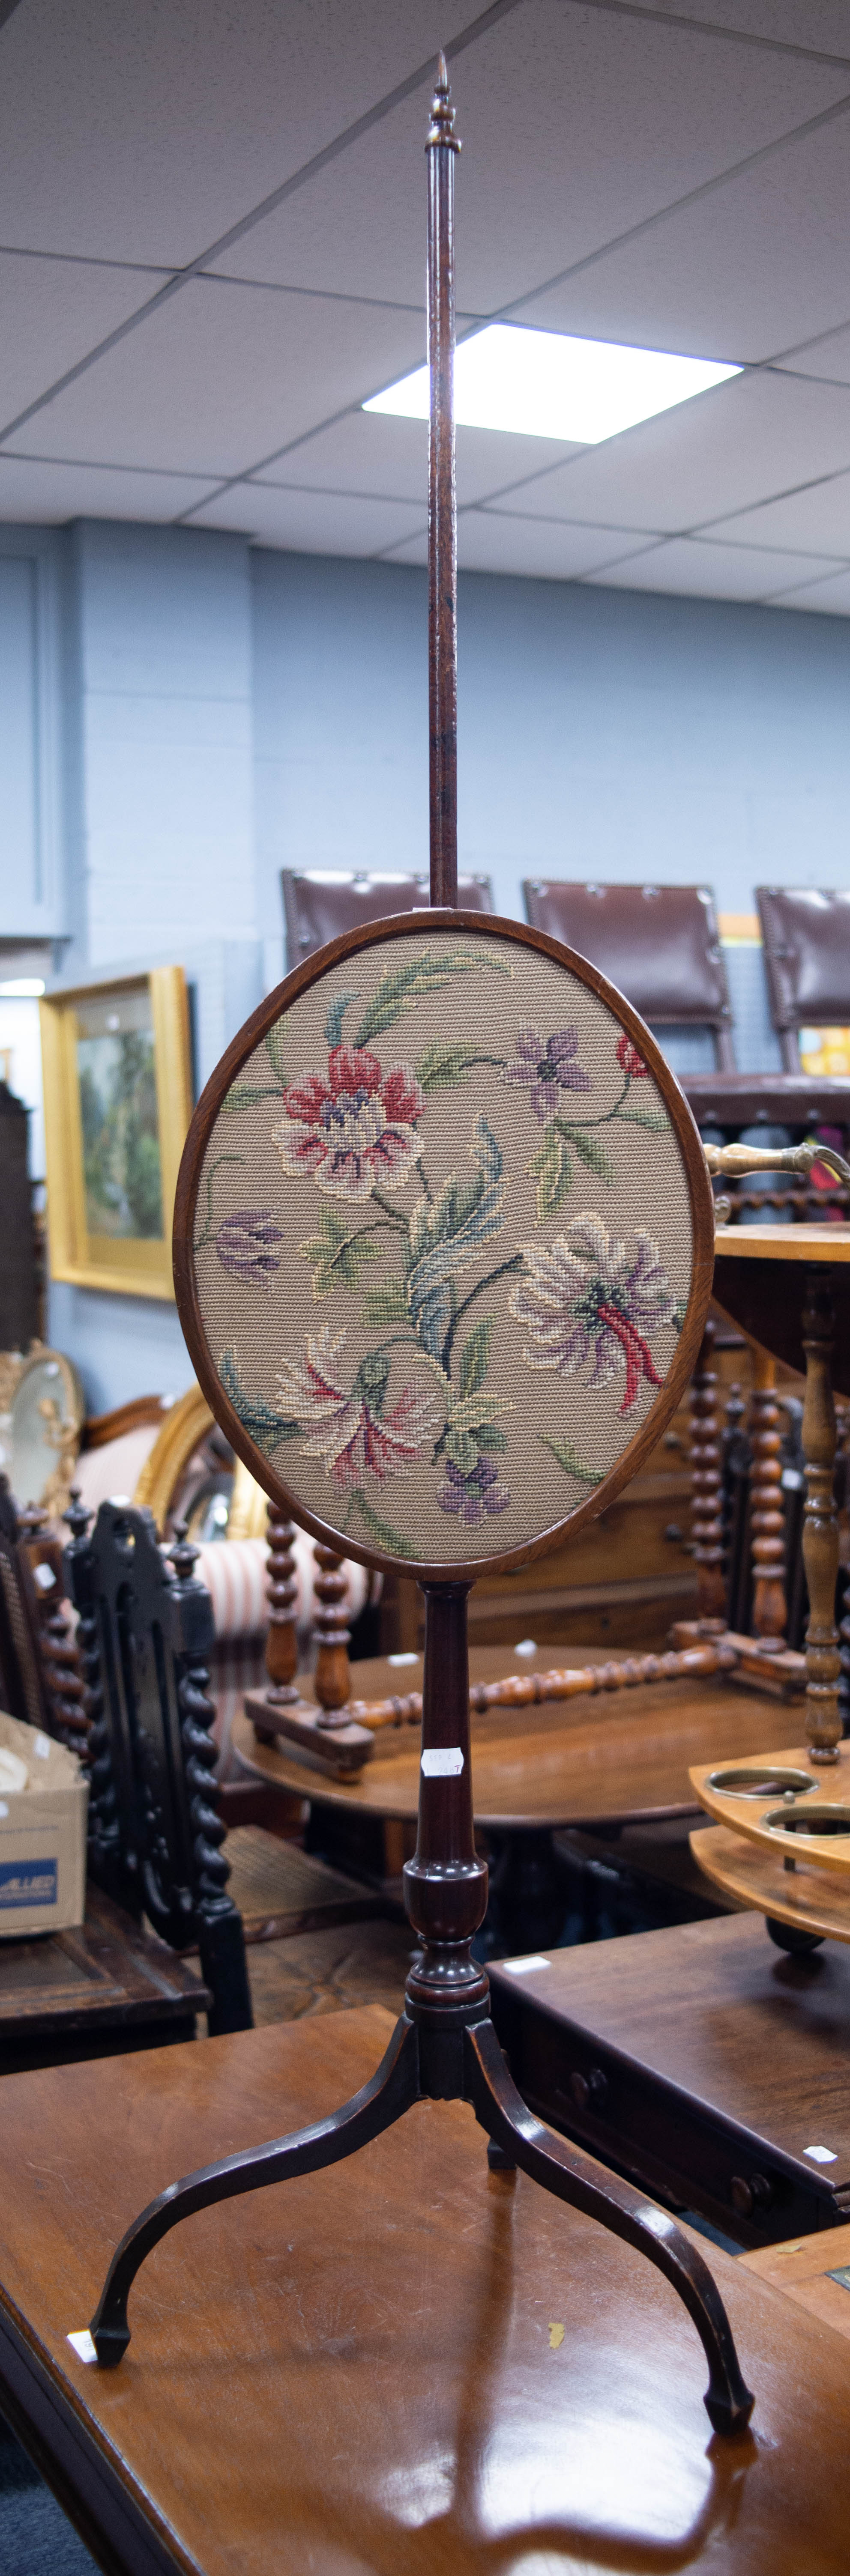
(406, 2364)
(789, 1287)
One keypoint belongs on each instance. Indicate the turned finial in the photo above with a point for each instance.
(441, 129)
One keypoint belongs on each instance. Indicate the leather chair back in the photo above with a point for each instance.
(806, 934)
(659, 944)
(320, 903)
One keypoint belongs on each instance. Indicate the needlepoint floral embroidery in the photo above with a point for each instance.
(353, 1125)
(586, 1296)
(437, 1308)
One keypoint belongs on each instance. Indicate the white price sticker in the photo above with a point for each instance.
(442, 1762)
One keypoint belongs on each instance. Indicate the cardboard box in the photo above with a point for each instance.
(42, 1836)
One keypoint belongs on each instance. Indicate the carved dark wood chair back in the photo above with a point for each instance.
(660, 945)
(320, 903)
(806, 934)
(40, 1680)
(145, 1635)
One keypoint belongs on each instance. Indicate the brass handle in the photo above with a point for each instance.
(734, 1161)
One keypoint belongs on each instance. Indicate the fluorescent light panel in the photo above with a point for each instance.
(22, 988)
(549, 385)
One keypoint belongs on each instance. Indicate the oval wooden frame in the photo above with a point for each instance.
(488, 927)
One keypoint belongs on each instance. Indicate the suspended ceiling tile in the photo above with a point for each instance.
(51, 313)
(724, 451)
(575, 123)
(39, 492)
(831, 598)
(816, 520)
(373, 453)
(811, 23)
(311, 523)
(746, 272)
(694, 568)
(220, 376)
(492, 541)
(827, 358)
(145, 133)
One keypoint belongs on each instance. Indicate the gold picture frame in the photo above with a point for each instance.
(116, 1060)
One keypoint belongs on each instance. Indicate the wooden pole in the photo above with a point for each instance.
(440, 150)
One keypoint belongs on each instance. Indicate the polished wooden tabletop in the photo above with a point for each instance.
(805, 2268)
(405, 2366)
(760, 1280)
(578, 1761)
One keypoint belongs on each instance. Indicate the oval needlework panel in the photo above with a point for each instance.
(443, 1245)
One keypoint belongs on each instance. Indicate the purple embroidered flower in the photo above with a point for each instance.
(547, 1066)
(473, 1495)
(586, 1296)
(246, 1243)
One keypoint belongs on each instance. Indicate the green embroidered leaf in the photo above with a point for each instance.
(446, 1234)
(268, 1428)
(467, 1412)
(653, 1118)
(592, 1153)
(491, 1436)
(339, 1254)
(391, 1540)
(275, 1042)
(244, 1095)
(552, 1169)
(443, 1065)
(401, 989)
(462, 1450)
(336, 1015)
(678, 1316)
(475, 1358)
(386, 1304)
(573, 1465)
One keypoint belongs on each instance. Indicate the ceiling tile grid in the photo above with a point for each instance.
(212, 251)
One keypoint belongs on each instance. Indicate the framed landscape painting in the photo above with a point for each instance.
(117, 1104)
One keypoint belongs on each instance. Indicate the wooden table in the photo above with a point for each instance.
(593, 1761)
(760, 1281)
(702, 2061)
(807, 2274)
(789, 1286)
(404, 2367)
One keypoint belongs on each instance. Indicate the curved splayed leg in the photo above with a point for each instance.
(577, 2178)
(391, 2091)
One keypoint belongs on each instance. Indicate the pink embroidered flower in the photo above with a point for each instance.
(353, 1126)
(587, 1296)
(547, 1066)
(349, 1429)
(629, 1061)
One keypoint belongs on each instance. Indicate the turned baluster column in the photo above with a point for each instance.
(767, 1516)
(282, 1589)
(331, 1630)
(820, 1525)
(706, 1481)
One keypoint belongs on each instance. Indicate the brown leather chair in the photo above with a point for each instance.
(320, 903)
(806, 934)
(660, 945)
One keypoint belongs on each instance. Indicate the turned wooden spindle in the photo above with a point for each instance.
(767, 1516)
(282, 1589)
(331, 1630)
(706, 1484)
(820, 1525)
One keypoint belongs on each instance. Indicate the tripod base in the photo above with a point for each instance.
(459, 2060)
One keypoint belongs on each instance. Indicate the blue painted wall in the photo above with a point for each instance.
(189, 717)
